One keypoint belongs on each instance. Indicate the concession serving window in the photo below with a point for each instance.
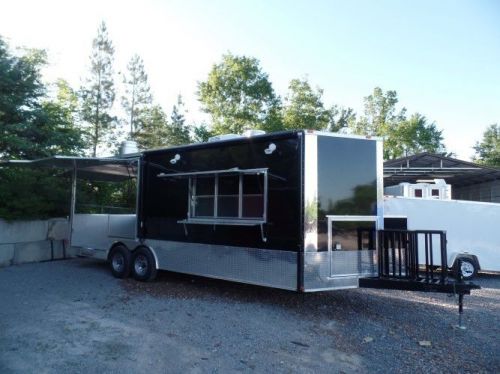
(226, 197)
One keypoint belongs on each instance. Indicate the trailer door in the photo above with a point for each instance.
(352, 243)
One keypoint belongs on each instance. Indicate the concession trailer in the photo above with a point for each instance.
(297, 210)
(259, 210)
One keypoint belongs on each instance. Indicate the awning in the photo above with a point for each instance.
(99, 169)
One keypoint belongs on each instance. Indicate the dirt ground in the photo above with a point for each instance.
(72, 316)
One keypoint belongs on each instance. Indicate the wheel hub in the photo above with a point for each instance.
(467, 269)
(141, 265)
(118, 262)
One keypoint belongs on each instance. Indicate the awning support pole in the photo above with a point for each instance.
(73, 202)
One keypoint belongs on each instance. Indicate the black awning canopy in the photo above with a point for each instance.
(426, 166)
(99, 169)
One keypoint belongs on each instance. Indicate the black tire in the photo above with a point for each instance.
(468, 269)
(120, 260)
(143, 265)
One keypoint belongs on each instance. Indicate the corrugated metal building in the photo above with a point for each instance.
(469, 181)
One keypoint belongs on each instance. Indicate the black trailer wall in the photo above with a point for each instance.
(347, 182)
(164, 201)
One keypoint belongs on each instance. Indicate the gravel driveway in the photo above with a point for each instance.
(73, 316)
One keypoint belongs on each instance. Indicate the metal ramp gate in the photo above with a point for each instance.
(416, 261)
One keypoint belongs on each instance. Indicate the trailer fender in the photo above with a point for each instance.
(113, 246)
(455, 255)
(467, 264)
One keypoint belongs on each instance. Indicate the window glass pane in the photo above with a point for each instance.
(205, 185)
(253, 184)
(204, 206)
(229, 185)
(227, 206)
(353, 236)
(435, 192)
(253, 206)
(418, 193)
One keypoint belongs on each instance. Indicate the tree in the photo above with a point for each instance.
(402, 136)
(98, 94)
(31, 126)
(21, 89)
(178, 132)
(201, 133)
(488, 150)
(238, 95)
(154, 132)
(341, 118)
(58, 131)
(137, 93)
(380, 114)
(303, 107)
(412, 136)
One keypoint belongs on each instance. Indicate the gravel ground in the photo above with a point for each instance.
(72, 316)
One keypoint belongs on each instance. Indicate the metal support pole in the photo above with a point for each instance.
(459, 278)
(73, 202)
(460, 311)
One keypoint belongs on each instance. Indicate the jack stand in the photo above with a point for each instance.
(460, 312)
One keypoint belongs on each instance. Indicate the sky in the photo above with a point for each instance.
(442, 57)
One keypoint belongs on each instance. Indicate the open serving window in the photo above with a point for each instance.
(226, 197)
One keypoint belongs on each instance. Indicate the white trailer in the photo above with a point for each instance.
(470, 226)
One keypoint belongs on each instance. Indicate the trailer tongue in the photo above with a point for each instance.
(399, 265)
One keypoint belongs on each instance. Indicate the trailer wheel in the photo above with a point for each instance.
(120, 260)
(468, 267)
(143, 265)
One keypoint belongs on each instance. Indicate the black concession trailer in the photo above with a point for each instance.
(297, 210)
(283, 210)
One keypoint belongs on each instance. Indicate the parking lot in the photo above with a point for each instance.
(73, 316)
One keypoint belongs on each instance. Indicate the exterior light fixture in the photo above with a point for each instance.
(270, 149)
(176, 158)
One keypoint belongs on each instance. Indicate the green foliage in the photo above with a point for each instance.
(488, 149)
(153, 133)
(238, 95)
(157, 131)
(98, 93)
(340, 118)
(178, 131)
(20, 111)
(33, 127)
(380, 116)
(106, 197)
(59, 122)
(201, 133)
(303, 107)
(33, 194)
(137, 96)
(412, 136)
(402, 136)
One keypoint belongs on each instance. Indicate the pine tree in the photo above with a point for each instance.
(137, 96)
(98, 94)
(154, 132)
(178, 130)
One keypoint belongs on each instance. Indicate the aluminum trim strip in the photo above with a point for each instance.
(310, 192)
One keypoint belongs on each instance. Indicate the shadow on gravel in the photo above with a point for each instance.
(340, 304)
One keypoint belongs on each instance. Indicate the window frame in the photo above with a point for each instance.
(215, 219)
